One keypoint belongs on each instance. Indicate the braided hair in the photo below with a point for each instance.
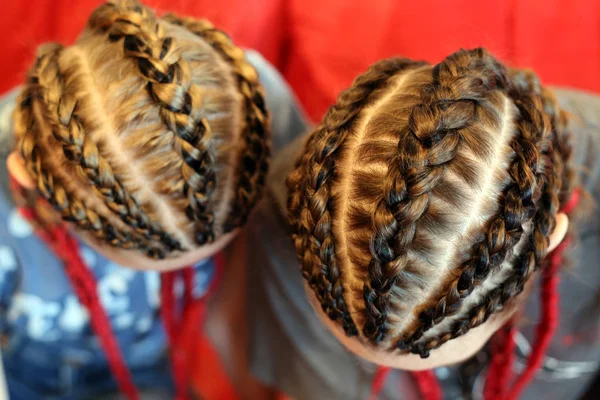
(252, 170)
(311, 205)
(148, 134)
(162, 119)
(463, 167)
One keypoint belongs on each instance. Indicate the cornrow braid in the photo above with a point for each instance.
(51, 188)
(310, 202)
(560, 152)
(425, 150)
(252, 169)
(534, 125)
(169, 81)
(561, 144)
(59, 109)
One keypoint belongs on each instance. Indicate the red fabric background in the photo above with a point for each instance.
(334, 40)
(25, 24)
(321, 45)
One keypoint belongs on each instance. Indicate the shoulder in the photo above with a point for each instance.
(583, 105)
(282, 166)
(583, 109)
(288, 120)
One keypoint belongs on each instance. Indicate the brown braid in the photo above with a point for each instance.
(169, 82)
(50, 187)
(254, 163)
(310, 201)
(550, 169)
(59, 109)
(461, 84)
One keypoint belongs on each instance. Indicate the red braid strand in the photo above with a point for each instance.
(378, 382)
(428, 385)
(500, 370)
(174, 325)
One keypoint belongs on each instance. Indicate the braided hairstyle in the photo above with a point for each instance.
(311, 204)
(149, 133)
(424, 201)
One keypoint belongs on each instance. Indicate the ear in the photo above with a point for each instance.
(560, 230)
(16, 169)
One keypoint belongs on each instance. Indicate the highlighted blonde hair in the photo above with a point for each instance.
(425, 199)
(150, 133)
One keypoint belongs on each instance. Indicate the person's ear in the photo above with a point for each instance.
(560, 230)
(16, 169)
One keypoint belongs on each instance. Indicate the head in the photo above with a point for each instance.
(149, 136)
(424, 204)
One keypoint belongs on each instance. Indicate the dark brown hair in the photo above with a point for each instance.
(424, 200)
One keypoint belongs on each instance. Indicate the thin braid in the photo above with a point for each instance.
(425, 151)
(503, 230)
(252, 169)
(71, 208)
(310, 202)
(534, 124)
(60, 111)
(169, 81)
(51, 187)
(561, 144)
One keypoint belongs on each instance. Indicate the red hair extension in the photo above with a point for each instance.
(181, 331)
(379, 381)
(428, 385)
(174, 326)
(188, 287)
(426, 381)
(499, 372)
(168, 311)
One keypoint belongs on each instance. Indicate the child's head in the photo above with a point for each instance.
(424, 203)
(148, 134)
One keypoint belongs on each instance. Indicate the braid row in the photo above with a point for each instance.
(310, 202)
(60, 111)
(169, 82)
(461, 84)
(53, 191)
(503, 231)
(252, 169)
(561, 143)
(548, 167)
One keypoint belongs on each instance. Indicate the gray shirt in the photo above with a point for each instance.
(292, 351)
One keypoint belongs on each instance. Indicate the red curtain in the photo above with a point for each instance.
(25, 24)
(334, 40)
(321, 45)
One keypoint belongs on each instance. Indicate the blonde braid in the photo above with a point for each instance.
(59, 109)
(169, 81)
(51, 187)
(254, 164)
